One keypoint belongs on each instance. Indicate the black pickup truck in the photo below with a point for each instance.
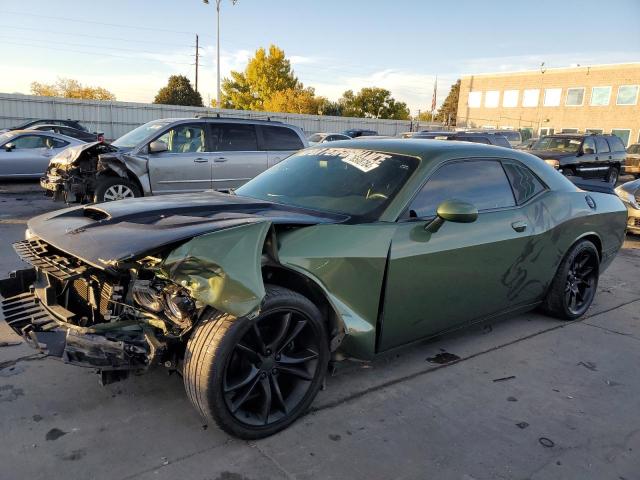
(583, 155)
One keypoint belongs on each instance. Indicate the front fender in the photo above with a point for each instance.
(125, 166)
(222, 269)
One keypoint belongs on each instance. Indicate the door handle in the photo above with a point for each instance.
(201, 160)
(519, 226)
(220, 160)
(597, 158)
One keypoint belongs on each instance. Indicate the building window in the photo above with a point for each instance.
(575, 97)
(593, 130)
(510, 98)
(530, 98)
(569, 130)
(623, 134)
(600, 96)
(492, 99)
(552, 97)
(475, 100)
(627, 95)
(547, 131)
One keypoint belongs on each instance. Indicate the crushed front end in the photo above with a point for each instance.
(115, 320)
(71, 175)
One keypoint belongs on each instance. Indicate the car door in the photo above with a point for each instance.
(464, 271)
(280, 142)
(30, 155)
(237, 158)
(186, 164)
(588, 161)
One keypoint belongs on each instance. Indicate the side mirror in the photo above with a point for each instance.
(158, 146)
(453, 211)
(9, 146)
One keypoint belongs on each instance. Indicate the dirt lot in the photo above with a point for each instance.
(526, 398)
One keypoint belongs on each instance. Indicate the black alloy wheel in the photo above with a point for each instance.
(271, 368)
(582, 280)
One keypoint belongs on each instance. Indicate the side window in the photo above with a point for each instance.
(55, 142)
(30, 141)
(588, 145)
(281, 138)
(525, 184)
(616, 144)
(481, 182)
(231, 137)
(603, 146)
(185, 139)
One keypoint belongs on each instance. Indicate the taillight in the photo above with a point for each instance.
(100, 137)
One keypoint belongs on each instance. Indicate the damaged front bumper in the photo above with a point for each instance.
(125, 348)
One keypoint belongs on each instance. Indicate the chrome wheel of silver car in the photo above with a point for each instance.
(118, 192)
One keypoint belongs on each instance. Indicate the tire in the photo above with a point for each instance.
(576, 278)
(612, 175)
(233, 375)
(115, 188)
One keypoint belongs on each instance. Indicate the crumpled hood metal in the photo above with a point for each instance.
(70, 155)
(103, 234)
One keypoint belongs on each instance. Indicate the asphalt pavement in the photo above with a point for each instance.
(525, 398)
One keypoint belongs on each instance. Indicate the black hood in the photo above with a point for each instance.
(545, 154)
(103, 233)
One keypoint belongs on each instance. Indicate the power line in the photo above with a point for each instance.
(74, 34)
(78, 20)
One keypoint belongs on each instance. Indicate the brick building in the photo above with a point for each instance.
(597, 98)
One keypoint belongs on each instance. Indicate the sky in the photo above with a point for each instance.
(131, 47)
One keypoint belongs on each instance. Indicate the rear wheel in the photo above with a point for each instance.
(254, 377)
(574, 286)
(115, 188)
(612, 175)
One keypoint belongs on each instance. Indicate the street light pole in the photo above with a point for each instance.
(233, 2)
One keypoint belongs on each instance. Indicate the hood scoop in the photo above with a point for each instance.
(95, 214)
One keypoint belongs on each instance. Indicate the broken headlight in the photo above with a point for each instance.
(147, 295)
(179, 307)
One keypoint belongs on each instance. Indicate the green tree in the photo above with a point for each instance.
(69, 88)
(265, 74)
(373, 102)
(449, 108)
(178, 91)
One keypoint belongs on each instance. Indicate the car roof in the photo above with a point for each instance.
(46, 134)
(53, 125)
(210, 119)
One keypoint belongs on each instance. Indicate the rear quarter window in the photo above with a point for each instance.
(616, 144)
(281, 138)
(524, 182)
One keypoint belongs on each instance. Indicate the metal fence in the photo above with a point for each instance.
(117, 118)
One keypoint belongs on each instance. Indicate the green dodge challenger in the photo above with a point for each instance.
(343, 251)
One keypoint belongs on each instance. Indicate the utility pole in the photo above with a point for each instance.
(197, 61)
(233, 2)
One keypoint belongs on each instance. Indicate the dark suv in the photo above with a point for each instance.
(47, 121)
(487, 138)
(587, 155)
(357, 132)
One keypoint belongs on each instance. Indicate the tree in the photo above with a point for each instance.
(178, 92)
(294, 100)
(69, 88)
(373, 102)
(425, 117)
(449, 108)
(265, 74)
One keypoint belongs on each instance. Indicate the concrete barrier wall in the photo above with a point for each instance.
(117, 118)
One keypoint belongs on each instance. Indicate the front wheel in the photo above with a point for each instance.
(254, 377)
(109, 189)
(574, 286)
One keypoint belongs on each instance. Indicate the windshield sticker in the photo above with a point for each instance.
(364, 160)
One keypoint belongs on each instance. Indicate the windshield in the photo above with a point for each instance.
(137, 136)
(5, 137)
(558, 144)
(316, 137)
(510, 135)
(350, 181)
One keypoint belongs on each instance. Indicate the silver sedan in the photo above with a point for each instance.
(26, 153)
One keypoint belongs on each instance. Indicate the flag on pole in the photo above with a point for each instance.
(434, 99)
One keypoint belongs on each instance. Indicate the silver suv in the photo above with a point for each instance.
(172, 156)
